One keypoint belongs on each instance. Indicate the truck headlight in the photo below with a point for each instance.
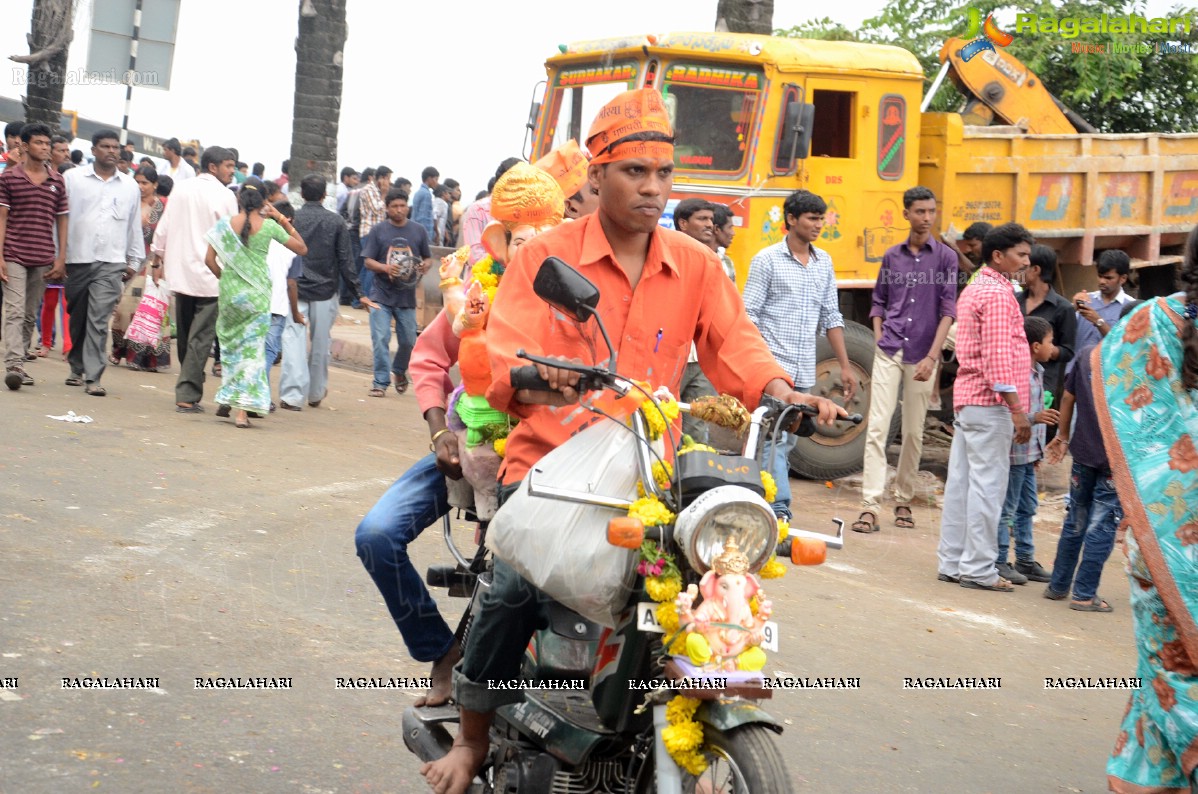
(729, 512)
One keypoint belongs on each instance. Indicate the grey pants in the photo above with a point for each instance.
(195, 328)
(22, 296)
(92, 292)
(694, 385)
(305, 375)
(978, 468)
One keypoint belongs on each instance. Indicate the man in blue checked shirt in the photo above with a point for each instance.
(790, 295)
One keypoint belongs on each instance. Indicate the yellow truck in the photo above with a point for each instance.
(757, 117)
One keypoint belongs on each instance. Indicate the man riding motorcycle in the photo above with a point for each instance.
(419, 497)
(660, 291)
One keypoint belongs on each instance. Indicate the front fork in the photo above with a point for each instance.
(723, 715)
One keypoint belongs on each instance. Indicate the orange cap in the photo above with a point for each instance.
(568, 165)
(526, 195)
(639, 112)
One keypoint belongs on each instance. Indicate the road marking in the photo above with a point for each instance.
(989, 621)
(341, 487)
(841, 567)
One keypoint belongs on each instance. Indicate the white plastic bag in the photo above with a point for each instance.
(561, 547)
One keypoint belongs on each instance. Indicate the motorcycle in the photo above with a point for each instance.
(608, 736)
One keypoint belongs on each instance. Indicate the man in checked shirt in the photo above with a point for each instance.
(990, 396)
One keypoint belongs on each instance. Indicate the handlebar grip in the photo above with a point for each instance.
(526, 377)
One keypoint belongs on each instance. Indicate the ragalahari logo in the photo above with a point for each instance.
(984, 36)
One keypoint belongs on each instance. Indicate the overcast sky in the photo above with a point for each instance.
(442, 83)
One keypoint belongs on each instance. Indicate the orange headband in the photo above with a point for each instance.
(642, 113)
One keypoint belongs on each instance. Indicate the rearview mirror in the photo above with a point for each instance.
(800, 123)
(566, 290)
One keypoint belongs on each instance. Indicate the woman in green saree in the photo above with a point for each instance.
(1147, 368)
(236, 255)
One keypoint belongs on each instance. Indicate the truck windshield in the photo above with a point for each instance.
(712, 109)
(578, 94)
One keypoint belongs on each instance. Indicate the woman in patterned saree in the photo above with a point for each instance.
(236, 255)
(1147, 368)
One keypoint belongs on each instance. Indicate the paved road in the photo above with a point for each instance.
(151, 544)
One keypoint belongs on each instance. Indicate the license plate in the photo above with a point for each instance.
(646, 620)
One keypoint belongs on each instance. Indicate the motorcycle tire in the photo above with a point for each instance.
(750, 753)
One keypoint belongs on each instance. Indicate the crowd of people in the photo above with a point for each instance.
(256, 280)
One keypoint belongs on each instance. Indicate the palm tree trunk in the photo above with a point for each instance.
(318, 71)
(51, 31)
(745, 16)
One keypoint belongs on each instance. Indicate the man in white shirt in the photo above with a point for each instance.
(179, 248)
(104, 250)
(177, 168)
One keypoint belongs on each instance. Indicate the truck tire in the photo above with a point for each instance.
(839, 451)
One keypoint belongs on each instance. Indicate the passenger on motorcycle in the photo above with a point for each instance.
(660, 291)
(419, 497)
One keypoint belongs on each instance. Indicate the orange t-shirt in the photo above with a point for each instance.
(683, 296)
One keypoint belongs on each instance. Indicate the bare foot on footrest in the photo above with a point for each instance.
(454, 773)
(442, 675)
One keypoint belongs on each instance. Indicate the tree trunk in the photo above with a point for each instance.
(49, 39)
(318, 72)
(745, 16)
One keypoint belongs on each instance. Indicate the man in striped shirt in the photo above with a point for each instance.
(991, 396)
(33, 200)
(790, 295)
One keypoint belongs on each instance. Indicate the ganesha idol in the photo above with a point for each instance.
(725, 630)
(524, 202)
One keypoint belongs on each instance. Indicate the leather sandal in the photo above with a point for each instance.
(861, 525)
(904, 520)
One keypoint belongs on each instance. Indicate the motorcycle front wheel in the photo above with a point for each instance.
(745, 760)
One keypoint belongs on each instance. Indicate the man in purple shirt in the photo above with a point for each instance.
(914, 304)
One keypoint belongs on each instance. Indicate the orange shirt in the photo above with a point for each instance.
(683, 296)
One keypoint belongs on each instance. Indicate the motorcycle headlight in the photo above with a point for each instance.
(729, 512)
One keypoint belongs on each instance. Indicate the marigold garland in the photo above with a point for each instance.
(500, 445)
(661, 588)
(771, 487)
(663, 475)
(774, 569)
(487, 273)
(659, 414)
(683, 737)
(651, 511)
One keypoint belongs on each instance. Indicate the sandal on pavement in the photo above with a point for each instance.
(861, 525)
(401, 384)
(95, 390)
(223, 411)
(1098, 604)
(944, 577)
(1001, 586)
(74, 380)
(377, 392)
(189, 408)
(1053, 595)
(904, 520)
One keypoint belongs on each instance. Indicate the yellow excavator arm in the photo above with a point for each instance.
(999, 89)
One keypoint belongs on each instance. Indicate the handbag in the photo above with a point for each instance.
(145, 327)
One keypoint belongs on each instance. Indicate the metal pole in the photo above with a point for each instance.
(129, 74)
(927, 100)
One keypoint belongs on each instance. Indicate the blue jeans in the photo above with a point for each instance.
(380, 338)
(413, 502)
(779, 466)
(365, 275)
(1017, 512)
(1093, 516)
(274, 338)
